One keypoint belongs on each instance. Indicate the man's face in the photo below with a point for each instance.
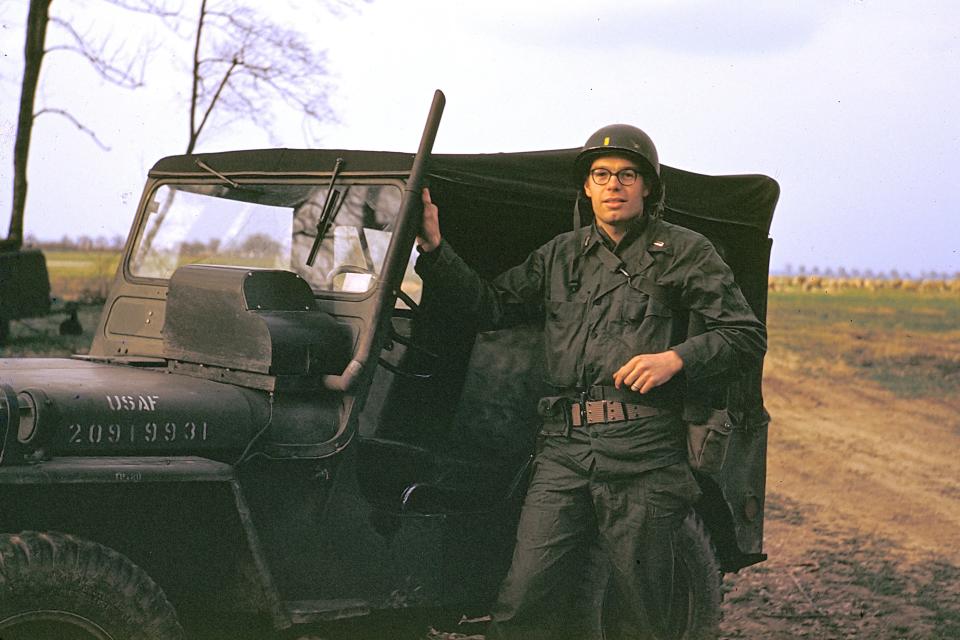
(614, 204)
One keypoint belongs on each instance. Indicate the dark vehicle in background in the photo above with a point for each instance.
(24, 287)
(255, 438)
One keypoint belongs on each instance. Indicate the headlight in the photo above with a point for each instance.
(28, 417)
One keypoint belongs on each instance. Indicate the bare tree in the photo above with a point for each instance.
(110, 64)
(37, 19)
(244, 65)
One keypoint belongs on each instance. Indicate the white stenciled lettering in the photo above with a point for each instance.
(138, 402)
(153, 433)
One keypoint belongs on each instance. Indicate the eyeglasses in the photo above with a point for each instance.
(626, 177)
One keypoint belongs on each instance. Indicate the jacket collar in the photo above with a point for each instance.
(596, 235)
(650, 237)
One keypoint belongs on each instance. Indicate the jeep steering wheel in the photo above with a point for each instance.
(410, 313)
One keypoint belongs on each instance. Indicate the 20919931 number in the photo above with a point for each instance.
(145, 433)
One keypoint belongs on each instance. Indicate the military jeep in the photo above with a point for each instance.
(275, 428)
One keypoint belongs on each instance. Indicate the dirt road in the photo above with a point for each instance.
(863, 513)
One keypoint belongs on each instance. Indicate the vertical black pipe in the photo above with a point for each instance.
(408, 221)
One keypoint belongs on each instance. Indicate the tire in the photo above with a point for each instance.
(54, 585)
(697, 595)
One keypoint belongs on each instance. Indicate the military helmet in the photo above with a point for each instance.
(628, 140)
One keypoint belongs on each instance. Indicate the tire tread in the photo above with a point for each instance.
(36, 566)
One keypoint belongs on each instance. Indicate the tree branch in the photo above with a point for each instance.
(151, 7)
(246, 66)
(216, 95)
(101, 62)
(195, 80)
(79, 125)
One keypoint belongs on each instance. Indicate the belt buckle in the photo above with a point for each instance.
(616, 411)
(596, 411)
(584, 413)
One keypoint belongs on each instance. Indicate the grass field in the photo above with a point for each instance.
(81, 275)
(40, 337)
(908, 341)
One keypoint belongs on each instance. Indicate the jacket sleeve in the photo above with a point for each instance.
(514, 297)
(733, 337)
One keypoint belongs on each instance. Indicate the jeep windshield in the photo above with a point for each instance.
(273, 225)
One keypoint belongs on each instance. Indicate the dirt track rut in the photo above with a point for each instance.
(863, 514)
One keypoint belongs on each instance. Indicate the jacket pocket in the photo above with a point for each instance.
(707, 442)
(564, 311)
(638, 307)
(564, 335)
(555, 416)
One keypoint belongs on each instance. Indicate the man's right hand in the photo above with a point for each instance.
(429, 237)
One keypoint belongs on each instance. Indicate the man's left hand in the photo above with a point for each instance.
(645, 372)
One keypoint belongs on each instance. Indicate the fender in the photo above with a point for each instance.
(129, 504)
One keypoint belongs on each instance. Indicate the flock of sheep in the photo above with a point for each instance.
(831, 283)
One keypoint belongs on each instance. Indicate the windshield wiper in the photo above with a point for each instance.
(203, 165)
(228, 181)
(328, 212)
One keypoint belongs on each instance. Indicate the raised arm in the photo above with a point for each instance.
(429, 237)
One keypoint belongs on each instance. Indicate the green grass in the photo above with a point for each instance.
(81, 275)
(40, 337)
(907, 341)
(87, 275)
(864, 311)
(939, 593)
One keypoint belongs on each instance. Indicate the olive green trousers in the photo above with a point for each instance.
(567, 508)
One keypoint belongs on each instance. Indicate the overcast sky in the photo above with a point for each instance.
(851, 106)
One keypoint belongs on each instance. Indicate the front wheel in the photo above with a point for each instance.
(695, 614)
(54, 585)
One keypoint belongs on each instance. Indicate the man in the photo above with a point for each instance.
(614, 299)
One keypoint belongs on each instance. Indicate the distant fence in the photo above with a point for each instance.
(828, 283)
